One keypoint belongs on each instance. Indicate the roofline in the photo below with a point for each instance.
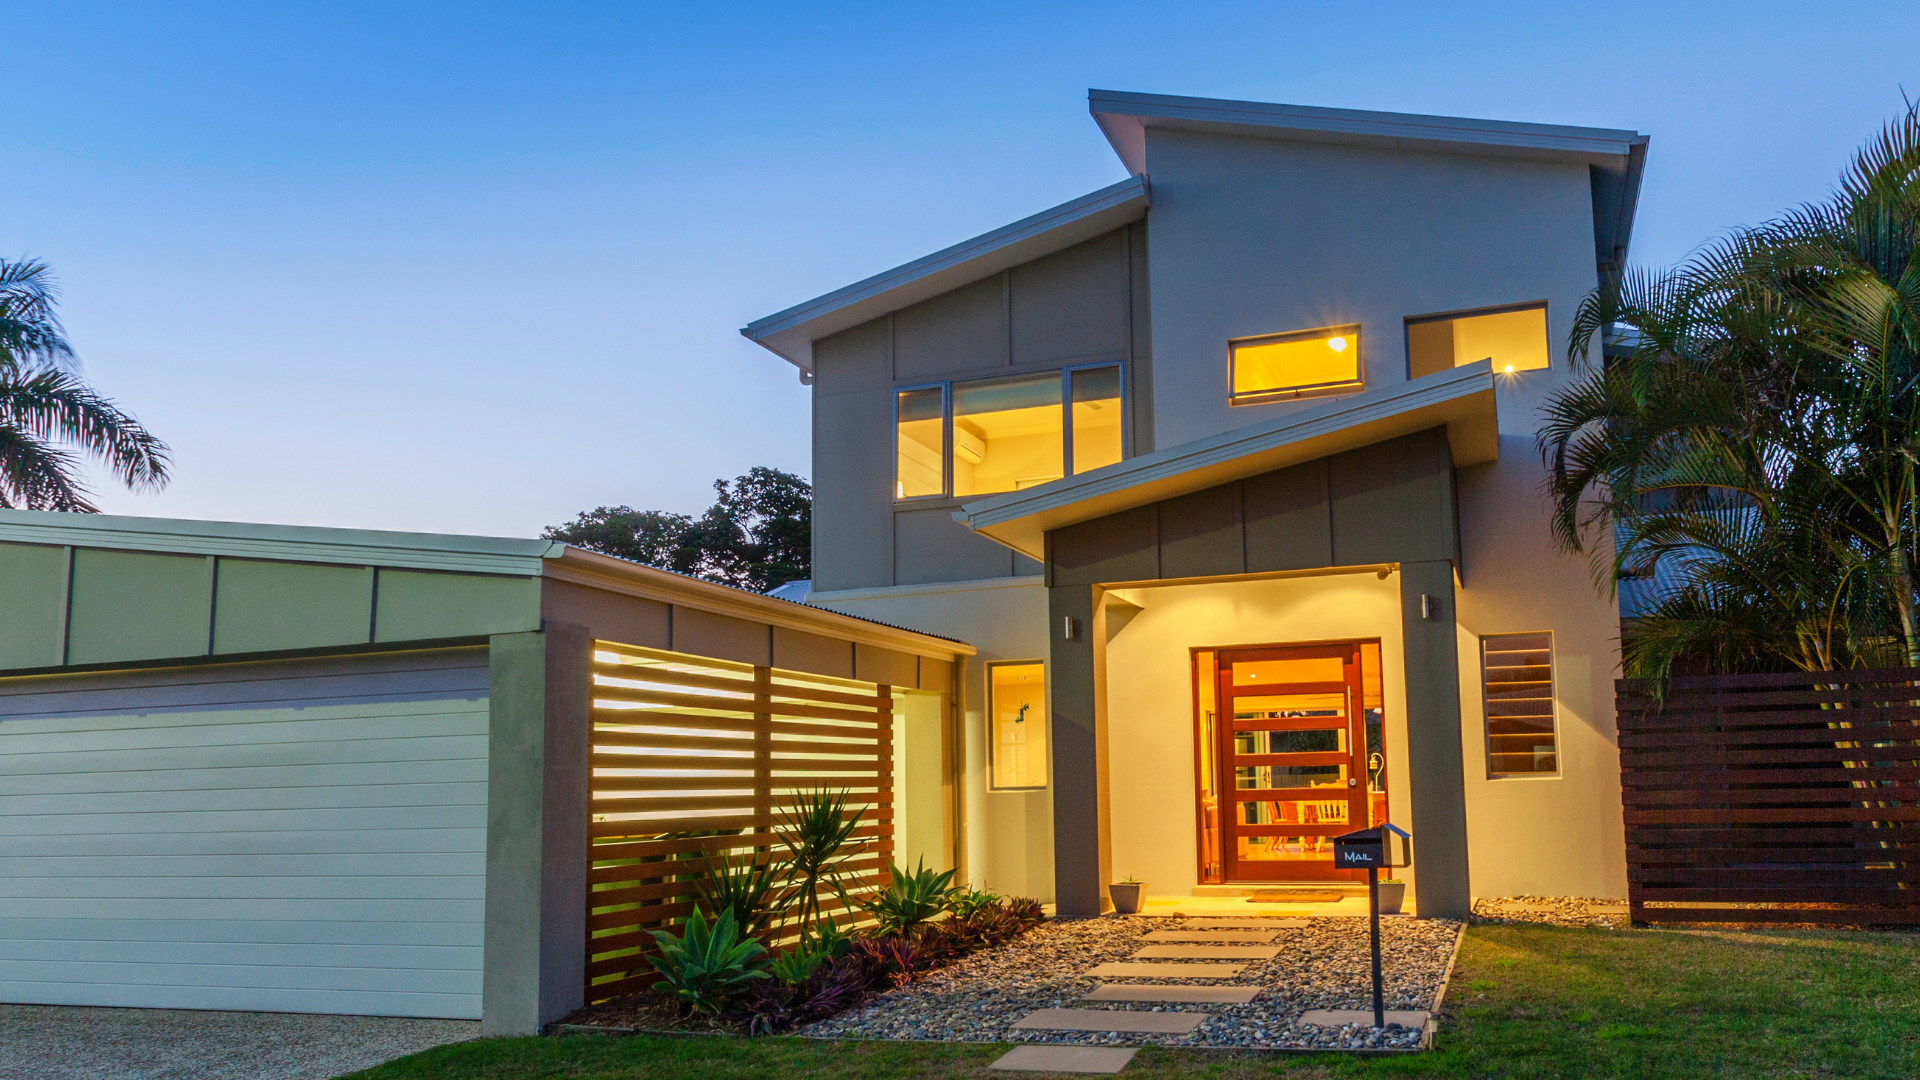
(1462, 400)
(284, 543)
(590, 568)
(1122, 115)
(790, 334)
(1617, 155)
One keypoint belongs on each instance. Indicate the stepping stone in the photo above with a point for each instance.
(1208, 935)
(1204, 995)
(1200, 923)
(1409, 1018)
(1208, 952)
(1165, 971)
(1066, 1059)
(1163, 1023)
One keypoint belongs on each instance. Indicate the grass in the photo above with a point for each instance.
(1526, 1001)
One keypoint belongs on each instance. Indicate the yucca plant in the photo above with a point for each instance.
(816, 831)
(748, 886)
(710, 964)
(965, 902)
(909, 899)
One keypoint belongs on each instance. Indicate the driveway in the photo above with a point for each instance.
(45, 1042)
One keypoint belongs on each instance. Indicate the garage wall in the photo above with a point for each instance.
(299, 836)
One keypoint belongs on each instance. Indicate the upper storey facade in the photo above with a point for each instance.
(1261, 259)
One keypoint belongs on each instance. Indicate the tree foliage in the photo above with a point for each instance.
(1749, 444)
(50, 419)
(757, 535)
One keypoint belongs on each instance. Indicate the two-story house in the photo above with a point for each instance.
(1229, 472)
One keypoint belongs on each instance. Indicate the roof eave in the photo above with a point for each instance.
(1462, 400)
(790, 334)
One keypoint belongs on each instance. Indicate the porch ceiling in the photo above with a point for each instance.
(1461, 400)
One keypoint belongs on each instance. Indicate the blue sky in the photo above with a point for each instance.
(473, 268)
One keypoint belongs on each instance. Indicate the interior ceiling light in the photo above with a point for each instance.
(1337, 344)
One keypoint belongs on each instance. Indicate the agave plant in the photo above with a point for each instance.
(908, 900)
(709, 965)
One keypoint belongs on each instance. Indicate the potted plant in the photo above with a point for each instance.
(1127, 896)
(1393, 892)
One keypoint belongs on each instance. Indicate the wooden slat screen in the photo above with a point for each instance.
(693, 755)
(1799, 792)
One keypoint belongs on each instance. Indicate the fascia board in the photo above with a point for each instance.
(286, 543)
(1463, 400)
(596, 571)
(1123, 117)
(791, 333)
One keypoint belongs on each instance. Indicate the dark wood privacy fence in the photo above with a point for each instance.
(1798, 792)
(694, 756)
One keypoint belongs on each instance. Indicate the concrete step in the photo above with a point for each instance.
(1125, 970)
(1203, 995)
(1065, 1059)
(1344, 888)
(1161, 1023)
(1221, 935)
(1207, 952)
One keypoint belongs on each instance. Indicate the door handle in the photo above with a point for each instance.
(1353, 781)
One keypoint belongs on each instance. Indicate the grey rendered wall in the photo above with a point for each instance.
(1256, 236)
(286, 836)
(1075, 306)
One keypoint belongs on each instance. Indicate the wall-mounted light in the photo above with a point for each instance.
(1069, 627)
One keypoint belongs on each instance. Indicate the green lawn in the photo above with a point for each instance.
(1531, 1001)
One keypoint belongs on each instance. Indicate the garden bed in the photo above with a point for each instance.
(1324, 964)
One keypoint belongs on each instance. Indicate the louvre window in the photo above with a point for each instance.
(1517, 673)
(1282, 366)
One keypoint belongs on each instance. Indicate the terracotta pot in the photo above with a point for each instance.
(1127, 898)
(1392, 895)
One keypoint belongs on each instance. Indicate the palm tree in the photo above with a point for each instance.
(1750, 442)
(49, 416)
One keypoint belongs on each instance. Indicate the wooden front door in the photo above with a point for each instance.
(1293, 755)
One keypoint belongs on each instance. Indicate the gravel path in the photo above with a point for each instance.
(1323, 965)
(46, 1042)
(1552, 911)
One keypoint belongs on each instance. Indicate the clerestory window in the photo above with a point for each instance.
(1307, 363)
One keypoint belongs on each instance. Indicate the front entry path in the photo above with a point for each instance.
(53, 1042)
(1128, 981)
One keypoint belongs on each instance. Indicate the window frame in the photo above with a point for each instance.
(946, 441)
(1262, 397)
(1553, 697)
(1408, 322)
(1046, 719)
(947, 388)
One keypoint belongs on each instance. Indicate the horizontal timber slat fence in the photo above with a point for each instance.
(1773, 798)
(694, 757)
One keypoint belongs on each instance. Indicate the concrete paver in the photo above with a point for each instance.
(1209, 935)
(1168, 1023)
(1124, 970)
(1066, 1059)
(1216, 995)
(1207, 952)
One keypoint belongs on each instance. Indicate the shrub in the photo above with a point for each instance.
(909, 899)
(815, 830)
(796, 967)
(709, 965)
(748, 887)
(965, 902)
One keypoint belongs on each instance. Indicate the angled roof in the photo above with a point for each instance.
(1462, 400)
(1617, 156)
(791, 333)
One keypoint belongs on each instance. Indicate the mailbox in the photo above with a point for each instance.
(1379, 848)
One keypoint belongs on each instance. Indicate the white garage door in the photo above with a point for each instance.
(305, 836)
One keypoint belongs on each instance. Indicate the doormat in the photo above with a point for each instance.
(1293, 896)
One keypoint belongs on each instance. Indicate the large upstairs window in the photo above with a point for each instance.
(1279, 367)
(1006, 434)
(1515, 339)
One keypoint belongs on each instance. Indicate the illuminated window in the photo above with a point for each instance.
(1096, 416)
(1007, 434)
(1515, 339)
(920, 465)
(1017, 725)
(1281, 366)
(1517, 673)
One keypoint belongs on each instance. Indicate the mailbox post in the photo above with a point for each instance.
(1385, 846)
